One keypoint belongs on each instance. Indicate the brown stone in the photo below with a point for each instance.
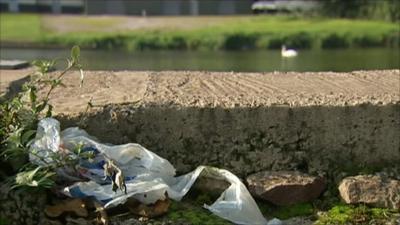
(285, 188)
(77, 206)
(375, 190)
(160, 207)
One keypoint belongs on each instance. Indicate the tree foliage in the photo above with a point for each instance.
(368, 9)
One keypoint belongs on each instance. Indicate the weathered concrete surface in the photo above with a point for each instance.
(13, 64)
(245, 122)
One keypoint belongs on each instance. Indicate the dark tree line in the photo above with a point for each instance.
(371, 9)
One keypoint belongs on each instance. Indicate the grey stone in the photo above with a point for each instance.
(210, 185)
(375, 190)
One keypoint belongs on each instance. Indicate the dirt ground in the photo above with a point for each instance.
(215, 89)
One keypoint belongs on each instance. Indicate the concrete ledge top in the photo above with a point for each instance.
(221, 89)
(13, 64)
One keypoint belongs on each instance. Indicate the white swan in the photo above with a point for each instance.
(288, 52)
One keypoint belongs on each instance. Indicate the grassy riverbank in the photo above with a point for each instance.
(194, 33)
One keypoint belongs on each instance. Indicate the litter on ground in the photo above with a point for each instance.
(115, 173)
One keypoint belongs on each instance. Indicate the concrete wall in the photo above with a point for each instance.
(246, 140)
(245, 122)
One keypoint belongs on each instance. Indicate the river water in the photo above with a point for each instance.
(340, 60)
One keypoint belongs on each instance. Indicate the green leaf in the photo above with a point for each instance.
(49, 111)
(35, 178)
(27, 136)
(41, 106)
(37, 63)
(14, 138)
(25, 87)
(78, 148)
(26, 177)
(45, 181)
(75, 53)
(43, 65)
(32, 94)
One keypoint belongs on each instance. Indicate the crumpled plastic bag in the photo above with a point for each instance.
(147, 176)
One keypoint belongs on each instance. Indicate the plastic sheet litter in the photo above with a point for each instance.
(148, 177)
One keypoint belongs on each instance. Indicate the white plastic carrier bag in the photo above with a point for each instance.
(147, 176)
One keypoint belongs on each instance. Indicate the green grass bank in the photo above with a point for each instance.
(195, 33)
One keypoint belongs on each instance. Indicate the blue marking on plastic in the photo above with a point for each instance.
(88, 165)
(77, 193)
(129, 178)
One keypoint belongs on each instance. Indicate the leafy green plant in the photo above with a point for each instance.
(19, 117)
(238, 41)
(34, 178)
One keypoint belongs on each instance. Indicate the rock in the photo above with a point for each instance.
(210, 185)
(160, 207)
(284, 187)
(77, 206)
(375, 190)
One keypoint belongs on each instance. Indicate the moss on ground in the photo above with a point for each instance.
(190, 212)
(361, 214)
(286, 212)
(333, 212)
